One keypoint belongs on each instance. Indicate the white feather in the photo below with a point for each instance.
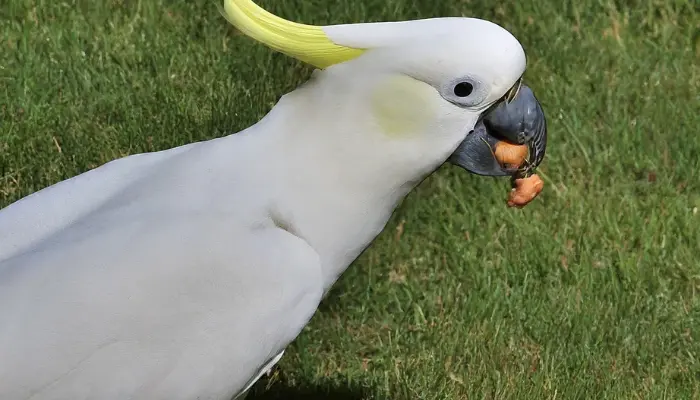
(185, 273)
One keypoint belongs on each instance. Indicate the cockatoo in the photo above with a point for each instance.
(185, 273)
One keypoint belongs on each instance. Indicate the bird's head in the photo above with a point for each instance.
(445, 88)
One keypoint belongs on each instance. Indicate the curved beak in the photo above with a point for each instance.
(516, 120)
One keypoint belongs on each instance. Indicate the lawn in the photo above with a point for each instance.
(592, 291)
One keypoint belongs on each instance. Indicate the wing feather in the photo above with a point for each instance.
(153, 308)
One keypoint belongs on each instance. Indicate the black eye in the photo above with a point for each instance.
(463, 89)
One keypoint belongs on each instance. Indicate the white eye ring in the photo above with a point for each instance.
(465, 91)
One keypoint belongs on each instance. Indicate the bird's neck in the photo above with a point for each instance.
(339, 184)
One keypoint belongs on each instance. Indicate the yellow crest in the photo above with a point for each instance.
(306, 43)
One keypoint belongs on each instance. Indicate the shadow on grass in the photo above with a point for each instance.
(278, 387)
(281, 390)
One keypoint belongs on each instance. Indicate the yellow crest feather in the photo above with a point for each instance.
(306, 43)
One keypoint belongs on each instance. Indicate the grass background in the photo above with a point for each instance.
(590, 292)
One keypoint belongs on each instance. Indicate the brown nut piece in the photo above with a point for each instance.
(525, 190)
(510, 155)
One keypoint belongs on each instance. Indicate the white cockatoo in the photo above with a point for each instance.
(185, 273)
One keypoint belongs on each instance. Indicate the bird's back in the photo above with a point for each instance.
(38, 215)
(155, 276)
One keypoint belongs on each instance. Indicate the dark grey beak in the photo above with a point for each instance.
(519, 121)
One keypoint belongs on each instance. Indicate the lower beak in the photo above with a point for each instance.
(519, 123)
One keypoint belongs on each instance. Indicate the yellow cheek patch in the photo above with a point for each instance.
(403, 106)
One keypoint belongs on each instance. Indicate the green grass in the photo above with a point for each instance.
(590, 292)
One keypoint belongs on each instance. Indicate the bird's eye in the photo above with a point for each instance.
(463, 89)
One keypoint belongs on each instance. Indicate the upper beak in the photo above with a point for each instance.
(517, 120)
